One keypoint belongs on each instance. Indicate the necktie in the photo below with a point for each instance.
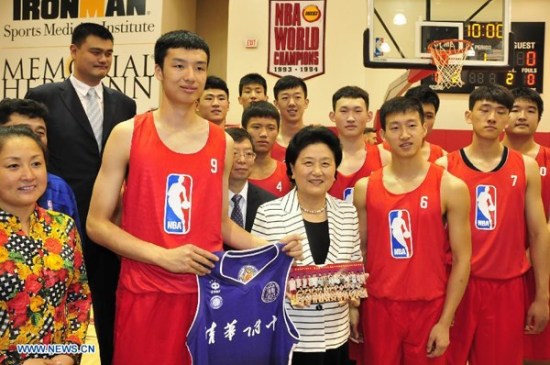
(95, 116)
(237, 214)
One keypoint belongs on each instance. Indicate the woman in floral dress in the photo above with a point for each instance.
(44, 294)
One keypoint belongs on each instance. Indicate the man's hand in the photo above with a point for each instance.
(188, 259)
(537, 317)
(292, 245)
(438, 340)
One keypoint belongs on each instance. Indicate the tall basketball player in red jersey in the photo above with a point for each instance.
(505, 202)
(350, 113)
(524, 120)
(413, 218)
(174, 211)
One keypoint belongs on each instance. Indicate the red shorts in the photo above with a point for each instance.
(397, 332)
(151, 328)
(489, 322)
(535, 347)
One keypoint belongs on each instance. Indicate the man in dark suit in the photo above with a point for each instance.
(82, 113)
(244, 198)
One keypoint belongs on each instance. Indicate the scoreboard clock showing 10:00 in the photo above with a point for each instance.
(527, 56)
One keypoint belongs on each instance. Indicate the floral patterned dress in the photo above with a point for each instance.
(44, 293)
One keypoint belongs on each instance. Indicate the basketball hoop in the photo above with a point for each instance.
(448, 56)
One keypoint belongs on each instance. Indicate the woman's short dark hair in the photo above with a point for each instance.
(9, 132)
(309, 135)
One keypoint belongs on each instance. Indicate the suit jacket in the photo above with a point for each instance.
(256, 196)
(327, 327)
(73, 151)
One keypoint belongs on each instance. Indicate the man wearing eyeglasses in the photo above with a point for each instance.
(244, 198)
(262, 120)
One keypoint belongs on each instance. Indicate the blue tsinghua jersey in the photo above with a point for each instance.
(241, 318)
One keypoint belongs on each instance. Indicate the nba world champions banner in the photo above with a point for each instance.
(296, 38)
(35, 36)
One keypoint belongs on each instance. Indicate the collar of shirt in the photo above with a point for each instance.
(82, 88)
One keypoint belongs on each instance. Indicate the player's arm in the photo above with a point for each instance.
(184, 259)
(360, 203)
(236, 236)
(539, 248)
(455, 200)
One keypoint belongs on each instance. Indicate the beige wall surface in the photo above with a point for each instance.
(345, 23)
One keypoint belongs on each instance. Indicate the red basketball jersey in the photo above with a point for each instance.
(343, 186)
(497, 215)
(543, 160)
(407, 241)
(277, 184)
(171, 199)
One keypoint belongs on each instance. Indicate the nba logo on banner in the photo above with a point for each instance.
(400, 234)
(486, 207)
(177, 206)
(348, 195)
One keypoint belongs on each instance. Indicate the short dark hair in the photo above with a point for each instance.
(494, 93)
(350, 92)
(425, 94)
(400, 104)
(309, 135)
(179, 39)
(26, 107)
(288, 82)
(252, 78)
(83, 30)
(12, 131)
(239, 135)
(369, 130)
(529, 94)
(215, 82)
(260, 109)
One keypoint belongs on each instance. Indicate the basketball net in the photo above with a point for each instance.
(448, 56)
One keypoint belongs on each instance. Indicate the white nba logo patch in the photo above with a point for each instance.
(177, 205)
(401, 244)
(486, 207)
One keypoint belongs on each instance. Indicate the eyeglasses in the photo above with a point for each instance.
(248, 155)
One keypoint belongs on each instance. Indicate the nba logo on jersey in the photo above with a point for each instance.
(400, 234)
(348, 195)
(177, 206)
(486, 207)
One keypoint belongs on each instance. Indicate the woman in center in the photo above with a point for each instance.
(330, 234)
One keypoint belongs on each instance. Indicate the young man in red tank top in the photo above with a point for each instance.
(261, 120)
(290, 93)
(520, 136)
(430, 105)
(505, 204)
(176, 167)
(413, 223)
(350, 113)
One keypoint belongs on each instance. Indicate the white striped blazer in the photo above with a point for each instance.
(326, 328)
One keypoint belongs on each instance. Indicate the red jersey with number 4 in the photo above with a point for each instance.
(343, 186)
(407, 242)
(171, 199)
(277, 184)
(543, 160)
(497, 214)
